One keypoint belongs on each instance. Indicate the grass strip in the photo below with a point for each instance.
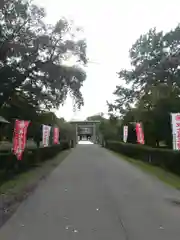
(162, 174)
(14, 191)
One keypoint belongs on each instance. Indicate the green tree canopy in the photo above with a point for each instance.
(33, 56)
(150, 90)
(96, 117)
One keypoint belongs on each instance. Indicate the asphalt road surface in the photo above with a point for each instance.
(93, 195)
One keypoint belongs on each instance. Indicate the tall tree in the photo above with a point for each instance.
(152, 85)
(155, 59)
(96, 117)
(33, 56)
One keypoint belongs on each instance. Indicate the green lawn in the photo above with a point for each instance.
(165, 176)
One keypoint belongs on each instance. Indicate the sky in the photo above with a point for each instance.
(110, 28)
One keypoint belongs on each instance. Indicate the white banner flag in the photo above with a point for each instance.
(125, 133)
(175, 120)
(46, 135)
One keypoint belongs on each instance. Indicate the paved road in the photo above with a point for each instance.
(93, 195)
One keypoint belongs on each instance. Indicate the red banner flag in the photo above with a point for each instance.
(139, 133)
(20, 135)
(175, 118)
(56, 136)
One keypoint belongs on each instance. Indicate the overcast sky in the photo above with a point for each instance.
(110, 27)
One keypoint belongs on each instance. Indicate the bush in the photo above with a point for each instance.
(164, 158)
(10, 166)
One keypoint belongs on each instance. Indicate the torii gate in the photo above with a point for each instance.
(86, 128)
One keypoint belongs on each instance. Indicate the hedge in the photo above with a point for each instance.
(164, 158)
(10, 166)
